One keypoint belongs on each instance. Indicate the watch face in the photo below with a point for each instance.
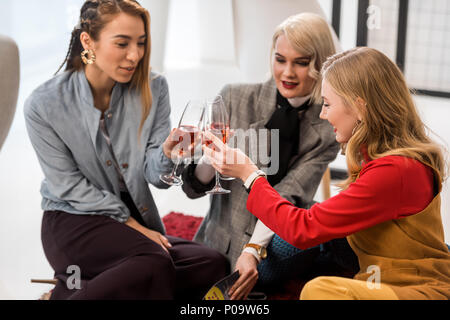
(263, 253)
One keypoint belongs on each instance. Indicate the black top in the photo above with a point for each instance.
(285, 118)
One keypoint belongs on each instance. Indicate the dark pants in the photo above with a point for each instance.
(118, 262)
(285, 262)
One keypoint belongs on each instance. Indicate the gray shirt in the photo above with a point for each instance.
(80, 177)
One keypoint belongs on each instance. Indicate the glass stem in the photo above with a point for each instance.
(175, 167)
(217, 179)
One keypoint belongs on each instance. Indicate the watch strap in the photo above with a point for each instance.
(262, 252)
(251, 178)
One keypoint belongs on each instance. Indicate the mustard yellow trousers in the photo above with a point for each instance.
(338, 288)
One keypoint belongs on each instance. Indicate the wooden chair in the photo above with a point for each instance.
(326, 184)
(46, 281)
(45, 295)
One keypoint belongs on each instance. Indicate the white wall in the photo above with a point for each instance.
(253, 30)
(159, 20)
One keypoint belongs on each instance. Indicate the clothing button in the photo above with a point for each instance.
(109, 115)
(125, 165)
(109, 163)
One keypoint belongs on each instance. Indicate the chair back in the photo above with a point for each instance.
(9, 84)
(326, 184)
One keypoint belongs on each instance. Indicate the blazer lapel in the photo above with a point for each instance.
(265, 107)
(267, 101)
(91, 115)
(309, 136)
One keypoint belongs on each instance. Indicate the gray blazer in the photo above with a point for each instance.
(77, 162)
(228, 225)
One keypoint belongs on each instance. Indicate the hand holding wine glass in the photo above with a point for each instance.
(184, 138)
(214, 123)
(227, 134)
(226, 160)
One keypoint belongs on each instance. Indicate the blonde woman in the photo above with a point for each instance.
(100, 130)
(389, 209)
(290, 102)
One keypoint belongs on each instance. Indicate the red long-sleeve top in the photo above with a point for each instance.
(388, 188)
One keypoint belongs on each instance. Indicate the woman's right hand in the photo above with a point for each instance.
(151, 234)
(170, 143)
(228, 161)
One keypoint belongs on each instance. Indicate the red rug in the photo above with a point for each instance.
(185, 226)
(181, 225)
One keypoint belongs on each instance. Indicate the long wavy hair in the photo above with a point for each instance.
(94, 15)
(390, 122)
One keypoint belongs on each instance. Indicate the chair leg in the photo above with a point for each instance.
(46, 295)
(47, 281)
(326, 182)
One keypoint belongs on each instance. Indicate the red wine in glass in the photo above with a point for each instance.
(214, 122)
(190, 120)
(187, 139)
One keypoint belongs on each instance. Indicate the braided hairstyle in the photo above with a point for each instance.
(89, 22)
(94, 15)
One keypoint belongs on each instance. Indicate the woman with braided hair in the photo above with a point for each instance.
(101, 131)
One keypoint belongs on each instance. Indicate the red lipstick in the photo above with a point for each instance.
(289, 85)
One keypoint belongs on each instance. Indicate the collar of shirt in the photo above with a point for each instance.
(298, 101)
(92, 115)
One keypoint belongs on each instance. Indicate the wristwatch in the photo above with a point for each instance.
(262, 252)
(251, 178)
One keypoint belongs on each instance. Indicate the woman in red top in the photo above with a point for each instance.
(389, 208)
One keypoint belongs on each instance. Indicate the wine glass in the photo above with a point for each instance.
(188, 128)
(227, 134)
(214, 122)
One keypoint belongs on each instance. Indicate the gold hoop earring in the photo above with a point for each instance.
(85, 56)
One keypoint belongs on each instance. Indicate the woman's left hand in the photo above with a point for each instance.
(247, 265)
(151, 234)
(228, 161)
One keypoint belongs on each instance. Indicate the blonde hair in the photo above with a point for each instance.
(390, 122)
(310, 35)
(94, 15)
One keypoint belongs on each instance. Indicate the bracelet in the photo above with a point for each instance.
(252, 177)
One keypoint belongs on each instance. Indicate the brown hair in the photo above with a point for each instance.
(390, 123)
(94, 15)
